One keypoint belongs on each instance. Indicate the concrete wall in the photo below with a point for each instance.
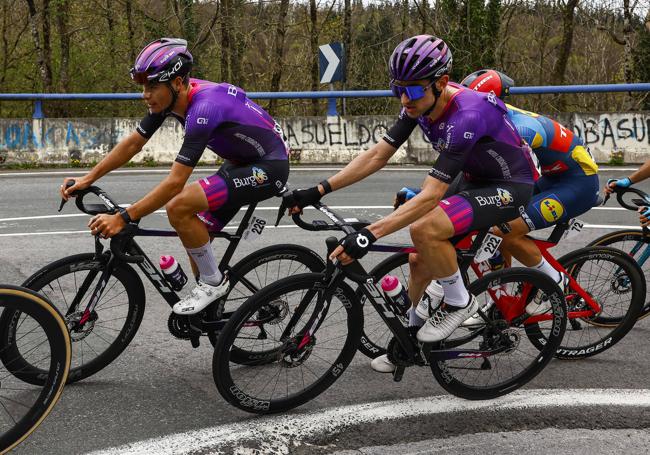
(313, 139)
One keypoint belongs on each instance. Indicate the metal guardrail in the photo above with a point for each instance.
(332, 95)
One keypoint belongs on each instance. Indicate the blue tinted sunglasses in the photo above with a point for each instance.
(413, 92)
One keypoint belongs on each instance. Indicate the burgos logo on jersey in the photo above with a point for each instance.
(258, 178)
(501, 199)
(551, 209)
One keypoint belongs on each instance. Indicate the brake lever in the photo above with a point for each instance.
(281, 210)
(288, 201)
(68, 184)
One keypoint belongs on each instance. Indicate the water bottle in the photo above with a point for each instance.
(173, 272)
(396, 292)
(497, 262)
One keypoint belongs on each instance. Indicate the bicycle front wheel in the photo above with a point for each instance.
(500, 357)
(97, 338)
(287, 365)
(39, 326)
(636, 245)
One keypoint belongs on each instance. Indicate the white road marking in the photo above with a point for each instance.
(279, 434)
(243, 209)
(71, 173)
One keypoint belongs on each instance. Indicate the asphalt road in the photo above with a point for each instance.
(162, 386)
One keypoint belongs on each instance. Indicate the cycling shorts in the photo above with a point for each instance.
(236, 185)
(560, 198)
(471, 205)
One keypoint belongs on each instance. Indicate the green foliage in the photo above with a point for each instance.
(519, 38)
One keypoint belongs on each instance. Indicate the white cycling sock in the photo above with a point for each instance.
(206, 263)
(455, 291)
(414, 319)
(547, 269)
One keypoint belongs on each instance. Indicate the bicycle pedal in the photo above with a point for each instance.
(195, 341)
(398, 373)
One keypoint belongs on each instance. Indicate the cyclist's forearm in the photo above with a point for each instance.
(641, 174)
(155, 199)
(365, 164)
(406, 214)
(118, 157)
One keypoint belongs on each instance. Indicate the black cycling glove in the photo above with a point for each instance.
(304, 197)
(357, 244)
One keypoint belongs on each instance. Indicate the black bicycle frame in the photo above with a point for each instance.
(151, 271)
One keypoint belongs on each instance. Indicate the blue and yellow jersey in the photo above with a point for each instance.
(558, 150)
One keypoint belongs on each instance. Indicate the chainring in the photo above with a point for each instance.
(396, 354)
(179, 326)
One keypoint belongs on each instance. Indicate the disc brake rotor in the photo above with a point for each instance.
(77, 332)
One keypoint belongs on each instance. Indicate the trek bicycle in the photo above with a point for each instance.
(40, 330)
(102, 297)
(604, 298)
(635, 242)
(310, 338)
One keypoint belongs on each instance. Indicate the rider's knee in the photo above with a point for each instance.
(176, 209)
(427, 230)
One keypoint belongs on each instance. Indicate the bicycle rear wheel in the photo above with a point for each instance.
(636, 245)
(258, 270)
(500, 358)
(287, 367)
(22, 406)
(109, 328)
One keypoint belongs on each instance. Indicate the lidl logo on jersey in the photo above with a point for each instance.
(258, 178)
(501, 199)
(551, 209)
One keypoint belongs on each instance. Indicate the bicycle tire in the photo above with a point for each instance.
(302, 258)
(586, 337)
(334, 363)
(624, 240)
(56, 334)
(536, 359)
(68, 268)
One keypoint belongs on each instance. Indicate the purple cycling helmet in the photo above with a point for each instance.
(420, 57)
(162, 61)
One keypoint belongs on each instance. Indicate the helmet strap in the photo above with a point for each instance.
(436, 94)
(174, 93)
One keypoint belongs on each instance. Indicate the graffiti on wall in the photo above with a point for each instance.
(360, 132)
(614, 131)
(21, 135)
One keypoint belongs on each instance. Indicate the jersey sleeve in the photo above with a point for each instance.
(401, 130)
(200, 122)
(463, 131)
(150, 124)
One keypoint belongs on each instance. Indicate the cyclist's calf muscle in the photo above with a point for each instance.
(516, 244)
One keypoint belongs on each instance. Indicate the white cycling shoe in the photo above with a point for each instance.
(477, 320)
(445, 320)
(540, 304)
(200, 297)
(381, 364)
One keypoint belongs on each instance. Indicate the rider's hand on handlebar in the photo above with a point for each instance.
(304, 197)
(612, 183)
(79, 184)
(644, 216)
(106, 225)
(353, 246)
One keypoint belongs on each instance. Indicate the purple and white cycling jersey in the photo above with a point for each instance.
(473, 135)
(223, 119)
